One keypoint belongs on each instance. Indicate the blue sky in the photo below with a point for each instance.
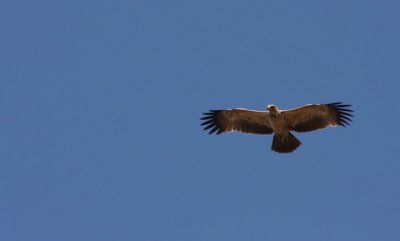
(100, 136)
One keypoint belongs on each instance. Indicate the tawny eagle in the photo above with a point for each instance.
(280, 122)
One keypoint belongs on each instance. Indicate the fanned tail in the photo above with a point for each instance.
(286, 145)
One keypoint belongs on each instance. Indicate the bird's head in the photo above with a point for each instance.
(272, 108)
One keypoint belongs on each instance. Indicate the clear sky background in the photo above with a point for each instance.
(100, 137)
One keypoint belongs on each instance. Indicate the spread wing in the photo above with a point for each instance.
(242, 120)
(318, 116)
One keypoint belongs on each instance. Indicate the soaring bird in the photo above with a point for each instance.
(278, 122)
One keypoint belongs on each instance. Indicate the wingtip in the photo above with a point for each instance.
(209, 121)
(344, 113)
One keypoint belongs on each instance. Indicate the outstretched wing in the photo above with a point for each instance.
(318, 116)
(242, 120)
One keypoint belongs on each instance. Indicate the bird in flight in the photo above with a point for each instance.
(278, 122)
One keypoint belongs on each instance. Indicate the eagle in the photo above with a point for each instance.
(278, 122)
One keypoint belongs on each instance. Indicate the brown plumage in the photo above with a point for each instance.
(280, 122)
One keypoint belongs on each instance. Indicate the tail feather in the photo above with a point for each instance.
(289, 144)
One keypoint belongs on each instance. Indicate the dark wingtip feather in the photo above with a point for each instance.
(342, 111)
(209, 126)
(343, 117)
(343, 122)
(210, 122)
(335, 103)
(347, 114)
(213, 130)
(206, 122)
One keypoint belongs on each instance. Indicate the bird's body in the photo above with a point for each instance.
(277, 122)
(280, 122)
